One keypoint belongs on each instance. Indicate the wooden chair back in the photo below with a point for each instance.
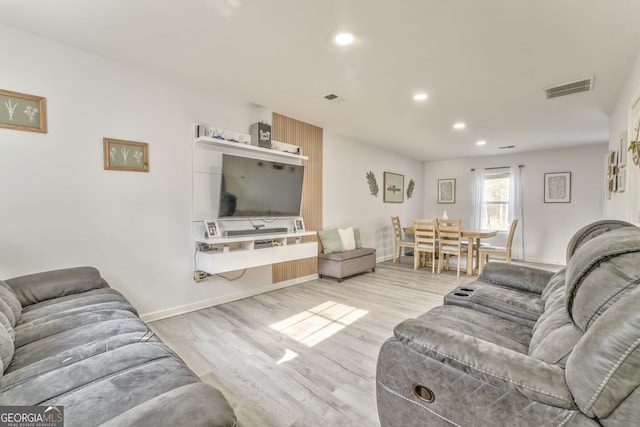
(512, 232)
(450, 232)
(425, 231)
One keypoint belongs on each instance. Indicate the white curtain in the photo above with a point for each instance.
(477, 194)
(515, 212)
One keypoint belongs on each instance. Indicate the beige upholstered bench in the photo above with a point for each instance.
(346, 263)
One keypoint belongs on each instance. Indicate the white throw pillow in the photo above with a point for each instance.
(348, 240)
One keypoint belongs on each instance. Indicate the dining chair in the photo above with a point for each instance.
(450, 242)
(486, 251)
(398, 241)
(425, 235)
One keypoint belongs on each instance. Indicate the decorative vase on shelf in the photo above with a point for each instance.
(444, 215)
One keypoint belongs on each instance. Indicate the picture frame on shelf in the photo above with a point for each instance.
(123, 155)
(298, 225)
(211, 229)
(447, 191)
(393, 187)
(21, 111)
(557, 187)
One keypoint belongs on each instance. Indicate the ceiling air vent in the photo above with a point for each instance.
(506, 147)
(330, 96)
(584, 85)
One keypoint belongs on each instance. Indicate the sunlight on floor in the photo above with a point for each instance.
(319, 323)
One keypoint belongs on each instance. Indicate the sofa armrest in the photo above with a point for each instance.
(34, 288)
(491, 363)
(519, 277)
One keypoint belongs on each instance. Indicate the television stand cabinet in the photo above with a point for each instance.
(222, 254)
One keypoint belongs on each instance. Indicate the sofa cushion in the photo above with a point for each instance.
(6, 348)
(603, 371)
(592, 230)
(37, 287)
(66, 339)
(330, 240)
(357, 238)
(600, 272)
(347, 255)
(483, 326)
(9, 304)
(84, 301)
(4, 322)
(347, 239)
(558, 280)
(554, 334)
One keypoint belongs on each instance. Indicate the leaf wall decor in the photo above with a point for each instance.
(373, 183)
(410, 188)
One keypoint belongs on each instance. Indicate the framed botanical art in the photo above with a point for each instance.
(557, 187)
(447, 190)
(21, 111)
(125, 155)
(393, 188)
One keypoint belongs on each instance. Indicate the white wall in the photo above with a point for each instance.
(60, 208)
(626, 205)
(547, 226)
(347, 201)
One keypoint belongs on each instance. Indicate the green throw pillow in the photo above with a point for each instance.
(330, 241)
(356, 236)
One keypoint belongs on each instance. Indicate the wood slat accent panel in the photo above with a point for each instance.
(309, 137)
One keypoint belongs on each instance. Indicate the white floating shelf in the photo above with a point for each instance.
(245, 147)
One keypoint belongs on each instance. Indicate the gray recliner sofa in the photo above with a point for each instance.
(68, 339)
(526, 347)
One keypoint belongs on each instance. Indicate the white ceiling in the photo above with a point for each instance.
(482, 62)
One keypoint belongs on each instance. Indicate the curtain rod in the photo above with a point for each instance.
(497, 167)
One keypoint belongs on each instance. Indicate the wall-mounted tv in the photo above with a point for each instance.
(259, 188)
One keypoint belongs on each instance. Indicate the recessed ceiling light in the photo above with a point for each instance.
(459, 125)
(344, 39)
(420, 96)
(481, 143)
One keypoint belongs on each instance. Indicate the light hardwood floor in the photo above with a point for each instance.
(305, 355)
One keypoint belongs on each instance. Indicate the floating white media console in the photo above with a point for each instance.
(246, 251)
(237, 252)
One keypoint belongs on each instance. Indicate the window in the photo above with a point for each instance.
(495, 199)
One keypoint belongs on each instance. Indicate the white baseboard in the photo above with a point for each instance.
(543, 261)
(182, 309)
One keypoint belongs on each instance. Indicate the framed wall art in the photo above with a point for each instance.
(557, 187)
(393, 188)
(622, 156)
(125, 155)
(21, 111)
(447, 190)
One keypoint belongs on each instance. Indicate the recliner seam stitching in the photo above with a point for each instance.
(610, 374)
(508, 305)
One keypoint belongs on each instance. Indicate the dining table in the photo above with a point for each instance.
(474, 237)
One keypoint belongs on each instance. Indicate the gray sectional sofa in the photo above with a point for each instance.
(68, 339)
(526, 347)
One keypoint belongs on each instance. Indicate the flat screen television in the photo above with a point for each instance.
(259, 188)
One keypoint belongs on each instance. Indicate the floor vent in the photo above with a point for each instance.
(584, 85)
(330, 96)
